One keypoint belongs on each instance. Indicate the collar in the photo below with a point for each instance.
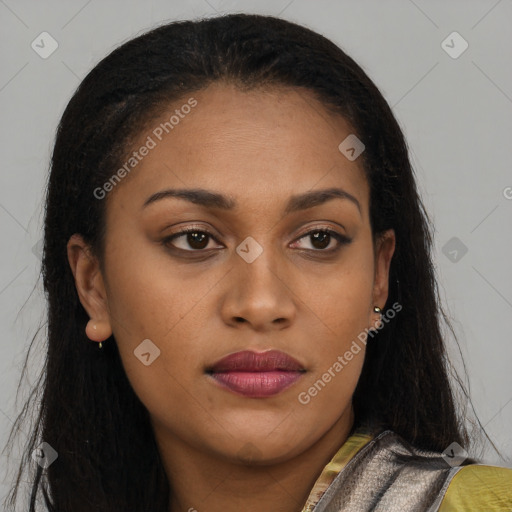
(348, 450)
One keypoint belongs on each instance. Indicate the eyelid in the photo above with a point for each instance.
(341, 238)
(189, 229)
(320, 227)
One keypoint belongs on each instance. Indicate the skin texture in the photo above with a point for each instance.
(223, 451)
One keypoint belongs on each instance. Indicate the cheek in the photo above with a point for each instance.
(327, 391)
(155, 319)
(341, 300)
(163, 372)
(149, 297)
(341, 303)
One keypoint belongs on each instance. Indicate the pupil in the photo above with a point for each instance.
(321, 237)
(194, 242)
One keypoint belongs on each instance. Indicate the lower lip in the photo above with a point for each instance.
(257, 384)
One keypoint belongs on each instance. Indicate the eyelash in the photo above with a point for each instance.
(341, 239)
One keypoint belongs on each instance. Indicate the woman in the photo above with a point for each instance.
(243, 312)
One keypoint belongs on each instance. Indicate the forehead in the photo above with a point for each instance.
(258, 146)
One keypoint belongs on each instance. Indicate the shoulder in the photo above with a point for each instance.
(468, 488)
(478, 487)
(386, 472)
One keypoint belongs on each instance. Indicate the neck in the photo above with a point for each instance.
(203, 481)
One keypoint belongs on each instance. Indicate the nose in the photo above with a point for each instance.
(259, 294)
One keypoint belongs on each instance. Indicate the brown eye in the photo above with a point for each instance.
(191, 239)
(321, 239)
(196, 239)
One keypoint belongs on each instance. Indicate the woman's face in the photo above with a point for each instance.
(259, 274)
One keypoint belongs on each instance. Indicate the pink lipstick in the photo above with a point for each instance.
(256, 375)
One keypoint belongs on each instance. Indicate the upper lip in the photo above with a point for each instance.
(249, 361)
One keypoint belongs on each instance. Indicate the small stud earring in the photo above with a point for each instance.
(376, 309)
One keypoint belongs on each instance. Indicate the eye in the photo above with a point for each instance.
(321, 239)
(196, 239)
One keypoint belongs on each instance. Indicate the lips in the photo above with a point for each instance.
(249, 361)
(256, 375)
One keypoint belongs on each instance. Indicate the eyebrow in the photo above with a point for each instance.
(210, 199)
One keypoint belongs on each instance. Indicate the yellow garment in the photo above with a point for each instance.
(473, 488)
(479, 488)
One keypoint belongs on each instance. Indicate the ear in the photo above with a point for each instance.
(90, 287)
(384, 249)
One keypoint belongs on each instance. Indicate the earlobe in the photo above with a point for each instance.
(90, 288)
(98, 331)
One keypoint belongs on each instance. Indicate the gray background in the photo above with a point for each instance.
(456, 114)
